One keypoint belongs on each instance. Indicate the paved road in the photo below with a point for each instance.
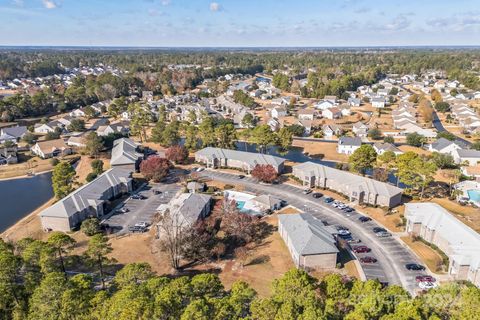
(440, 128)
(142, 210)
(391, 254)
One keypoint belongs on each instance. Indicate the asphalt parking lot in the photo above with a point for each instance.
(142, 210)
(390, 253)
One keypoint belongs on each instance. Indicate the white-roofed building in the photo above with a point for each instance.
(357, 188)
(458, 241)
(311, 243)
(247, 161)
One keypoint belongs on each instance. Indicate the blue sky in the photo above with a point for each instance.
(239, 22)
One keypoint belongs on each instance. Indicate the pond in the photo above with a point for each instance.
(19, 197)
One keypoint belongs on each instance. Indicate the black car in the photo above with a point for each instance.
(157, 192)
(317, 195)
(414, 266)
(241, 176)
(340, 227)
(364, 219)
(348, 209)
(378, 229)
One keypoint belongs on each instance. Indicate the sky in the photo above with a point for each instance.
(239, 23)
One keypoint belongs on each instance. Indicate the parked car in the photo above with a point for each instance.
(364, 219)
(138, 197)
(283, 203)
(414, 266)
(241, 176)
(317, 195)
(307, 191)
(340, 227)
(142, 224)
(155, 191)
(425, 285)
(328, 200)
(348, 209)
(137, 229)
(361, 249)
(425, 278)
(343, 232)
(383, 234)
(368, 259)
(353, 240)
(200, 169)
(378, 229)
(123, 210)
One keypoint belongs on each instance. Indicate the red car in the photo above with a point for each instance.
(361, 249)
(368, 260)
(425, 278)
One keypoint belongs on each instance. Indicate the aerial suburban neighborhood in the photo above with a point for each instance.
(266, 180)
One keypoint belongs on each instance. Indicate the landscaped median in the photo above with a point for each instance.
(427, 254)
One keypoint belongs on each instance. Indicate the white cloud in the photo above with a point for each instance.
(166, 2)
(19, 3)
(398, 24)
(215, 7)
(50, 4)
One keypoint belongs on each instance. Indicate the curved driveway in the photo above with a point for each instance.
(391, 253)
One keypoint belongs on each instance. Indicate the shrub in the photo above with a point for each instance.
(90, 227)
(91, 176)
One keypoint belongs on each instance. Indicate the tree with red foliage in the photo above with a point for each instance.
(155, 168)
(265, 173)
(177, 154)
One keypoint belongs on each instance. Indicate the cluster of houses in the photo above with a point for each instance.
(459, 150)
(405, 120)
(467, 118)
(9, 138)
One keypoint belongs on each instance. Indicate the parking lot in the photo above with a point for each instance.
(142, 210)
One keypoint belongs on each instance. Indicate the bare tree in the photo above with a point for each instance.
(172, 232)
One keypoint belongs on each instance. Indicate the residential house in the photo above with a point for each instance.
(466, 156)
(330, 130)
(332, 99)
(105, 130)
(354, 102)
(46, 127)
(378, 102)
(332, 113)
(90, 200)
(274, 124)
(267, 202)
(78, 141)
(306, 114)
(310, 243)
(348, 145)
(307, 126)
(459, 242)
(77, 113)
(446, 146)
(324, 105)
(8, 155)
(13, 134)
(51, 148)
(345, 110)
(360, 129)
(194, 187)
(380, 148)
(278, 112)
(246, 161)
(125, 154)
(357, 188)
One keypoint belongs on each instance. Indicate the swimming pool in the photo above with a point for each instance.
(240, 205)
(474, 195)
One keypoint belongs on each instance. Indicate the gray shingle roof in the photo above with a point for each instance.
(93, 192)
(124, 152)
(308, 235)
(349, 180)
(442, 143)
(349, 141)
(468, 153)
(16, 132)
(248, 157)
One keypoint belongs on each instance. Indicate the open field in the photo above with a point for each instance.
(391, 221)
(428, 255)
(328, 150)
(35, 164)
(406, 148)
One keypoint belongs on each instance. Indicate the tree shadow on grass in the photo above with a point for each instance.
(259, 260)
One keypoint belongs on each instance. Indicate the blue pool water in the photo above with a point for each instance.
(240, 205)
(474, 195)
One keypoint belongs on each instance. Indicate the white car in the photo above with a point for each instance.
(200, 169)
(142, 224)
(343, 232)
(427, 285)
